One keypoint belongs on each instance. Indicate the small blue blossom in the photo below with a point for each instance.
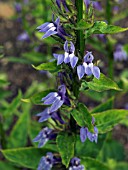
(84, 133)
(46, 162)
(23, 37)
(46, 114)
(88, 68)
(68, 56)
(75, 164)
(18, 7)
(44, 136)
(62, 2)
(53, 28)
(57, 99)
(120, 54)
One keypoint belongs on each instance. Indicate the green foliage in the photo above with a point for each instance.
(101, 27)
(106, 120)
(65, 143)
(99, 85)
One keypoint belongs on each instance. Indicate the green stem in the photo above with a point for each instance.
(80, 44)
(108, 11)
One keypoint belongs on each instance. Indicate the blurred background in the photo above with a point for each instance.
(21, 47)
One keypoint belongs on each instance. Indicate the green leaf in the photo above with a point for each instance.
(105, 106)
(65, 143)
(6, 166)
(50, 66)
(106, 120)
(109, 151)
(18, 136)
(36, 98)
(121, 166)
(82, 116)
(99, 85)
(82, 25)
(13, 106)
(26, 157)
(101, 27)
(93, 164)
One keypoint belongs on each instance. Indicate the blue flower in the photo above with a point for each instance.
(75, 164)
(88, 68)
(68, 56)
(23, 37)
(120, 54)
(62, 2)
(46, 162)
(46, 114)
(18, 7)
(43, 136)
(52, 28)
(57, 99)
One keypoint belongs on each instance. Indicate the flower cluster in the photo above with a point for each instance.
(57, 99)
(119, 53)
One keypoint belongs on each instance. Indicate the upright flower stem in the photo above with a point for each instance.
(109, 48)
(80, 43)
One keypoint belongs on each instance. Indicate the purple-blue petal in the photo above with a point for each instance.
(56, 105)
(66, 46)
(80, 71)
(73, 61)
(43, 26)
(60, 59)
(49, 33)
(83, 134)
(96, 72)
(52, 94)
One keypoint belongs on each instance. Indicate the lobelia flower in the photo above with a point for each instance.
(43, 136)
(18, 7)
(57, 99)
(88, 68)
(120, 54)
(46, 162)
(75, 164)
(23, 37)
(84, 133)
(53, 28)
(68, 56)
(63, 2)
(46, 114)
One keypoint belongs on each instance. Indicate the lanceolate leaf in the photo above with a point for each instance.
(99, 85)
(103, 107)
(65, 143)
(93, 164)
(101, 27)
(106, 120)
(82, 116)
(18, 136)
(26, 157)
(50, 66)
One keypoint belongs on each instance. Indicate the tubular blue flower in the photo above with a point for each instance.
(53, 28)
(62, 2)
(46, 162)
(23, 37)
(43, 136)
(18, 7)
(46, 114)
(88, 68)
(75, 164)
(68, 56)
(120, 54)
(57, 99)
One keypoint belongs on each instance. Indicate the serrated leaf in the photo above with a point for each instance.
(93, 164)
(13, 106)
(50, 66)
(106, 120)
(101, 27)
(82, 116)
(18, 136)
(105, 106)
(99, 85)
(26, 157)
(65, 143)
